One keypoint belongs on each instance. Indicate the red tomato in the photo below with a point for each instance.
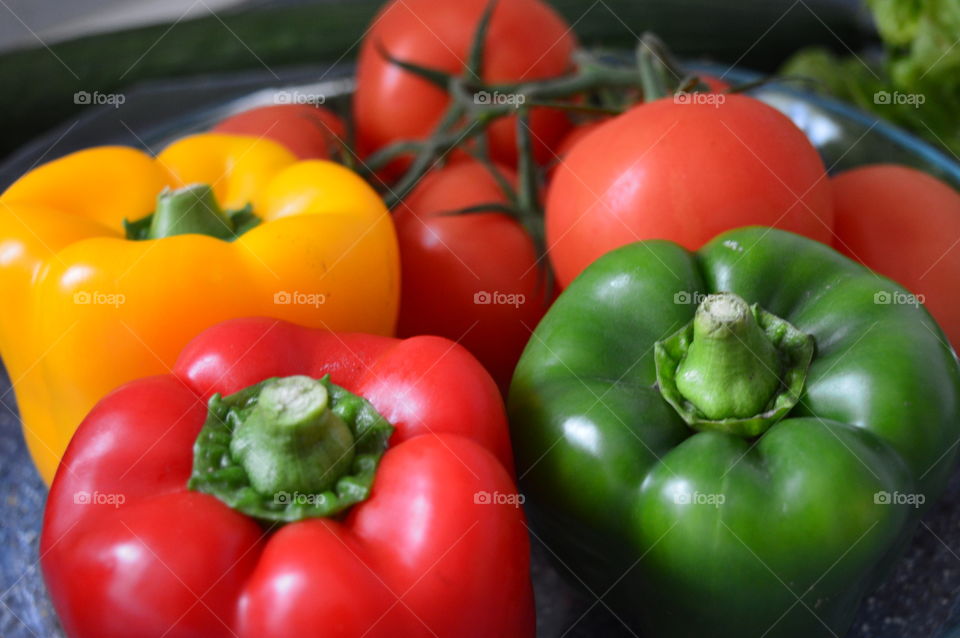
(684, 171)
(575, 135)
(527, 40)
(472, 278)
(309, 132)
(904, 224)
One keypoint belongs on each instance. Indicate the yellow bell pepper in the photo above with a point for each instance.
(86, 308)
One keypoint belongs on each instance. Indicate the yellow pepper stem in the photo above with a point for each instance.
(190, 210)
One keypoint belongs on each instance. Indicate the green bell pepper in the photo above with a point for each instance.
(714, 468)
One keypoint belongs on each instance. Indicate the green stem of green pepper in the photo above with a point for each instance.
(291, 441)
(731, 369)
(189, 210)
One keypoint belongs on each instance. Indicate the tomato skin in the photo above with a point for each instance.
(576, 134)
(309, 132)
(684, 172)
(448, 260)
(904, 224)
(438, 35)
(580, 131)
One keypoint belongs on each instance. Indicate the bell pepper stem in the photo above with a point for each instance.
(263, 444)
(192, 209)
(732, 369)
(291, 441)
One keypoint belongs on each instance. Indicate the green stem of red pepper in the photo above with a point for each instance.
(291, 440)
(734, 368)
(290, 448)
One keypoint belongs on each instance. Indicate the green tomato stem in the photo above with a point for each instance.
(731, 369)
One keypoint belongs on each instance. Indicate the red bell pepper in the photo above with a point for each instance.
(318, 539)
